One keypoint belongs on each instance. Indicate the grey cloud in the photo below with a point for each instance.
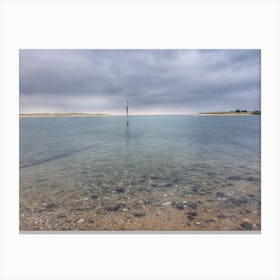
(102, 80)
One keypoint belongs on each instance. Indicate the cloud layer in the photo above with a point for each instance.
(154, 81)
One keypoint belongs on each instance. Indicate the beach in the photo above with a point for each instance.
(169, 209)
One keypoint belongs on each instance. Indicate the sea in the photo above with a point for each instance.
(158, 173)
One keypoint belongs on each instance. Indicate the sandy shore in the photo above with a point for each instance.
(236, 208)
(60, 115)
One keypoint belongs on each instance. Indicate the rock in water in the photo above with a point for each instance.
(180, 206)
(247, 226)
(139, 215)
(193, 213)
(50, 205)
(120, 190)
(234, 178)
(220, 194)
(113, 208)
(252, 179)
(166, 203)
(192, 205)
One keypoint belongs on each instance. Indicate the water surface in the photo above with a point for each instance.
(95, 173)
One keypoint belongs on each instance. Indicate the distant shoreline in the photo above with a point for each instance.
(247, 113)
(49, 115)
(64, 115)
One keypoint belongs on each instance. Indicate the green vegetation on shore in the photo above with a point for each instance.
(62, 115)
(236, 112)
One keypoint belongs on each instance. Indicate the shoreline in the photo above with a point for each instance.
(61, 115)
(108, 115)
(233, 114)
(230, 113)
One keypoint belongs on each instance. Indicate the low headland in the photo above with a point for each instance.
(236, 112)
(39, 115)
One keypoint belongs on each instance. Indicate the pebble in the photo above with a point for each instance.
(194, 189)
(94, 196)
(221, 216)
(192, 205)
(193, 213)
(60, 216)
(50, 205)
(80, 221)
(220, 194)
(227, 185)
(120, 190)
(180, 206)
(166, 203)
(239, 201)
(113, 208)
(234, 178)
(139, 215)
(252, 179)
(244, 211)
(247, 226)
(155, 203)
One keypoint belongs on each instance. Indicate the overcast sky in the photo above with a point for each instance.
(153, 81)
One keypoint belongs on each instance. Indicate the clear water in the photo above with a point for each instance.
(154, 154)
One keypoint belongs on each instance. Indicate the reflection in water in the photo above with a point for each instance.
(127, 158)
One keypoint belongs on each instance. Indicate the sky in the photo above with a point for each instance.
(153, 81)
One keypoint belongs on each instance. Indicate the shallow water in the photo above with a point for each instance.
(95, 173)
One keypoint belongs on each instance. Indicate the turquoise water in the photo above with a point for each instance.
(100, 154)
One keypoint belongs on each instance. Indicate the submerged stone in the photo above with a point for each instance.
(120, 190)
(193, 213)
(221, 216)
(192, 205)
(244, 211)
(166, 203)
(155, 203)
(190, 217)
(227, 185)
(194, 189)
(61, 216)
(180, 206)
(113, 208)
(234, 178)
(51, 205)
(239, 201)
(139, 215)
(252, 179)
(247, 226)
(220, 194)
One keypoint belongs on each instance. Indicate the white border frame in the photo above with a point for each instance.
(140, 24)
